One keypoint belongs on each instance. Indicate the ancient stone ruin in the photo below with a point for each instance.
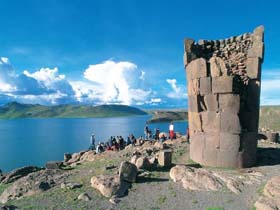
(224, 98)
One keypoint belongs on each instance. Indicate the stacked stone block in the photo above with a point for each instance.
(223, 98)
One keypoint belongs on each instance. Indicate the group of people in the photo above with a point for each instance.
(118, 143)
(113, 144)
(148, 133)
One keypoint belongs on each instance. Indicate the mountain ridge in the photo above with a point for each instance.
(14, 110)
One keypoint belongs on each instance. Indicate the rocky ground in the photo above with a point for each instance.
(99, 181)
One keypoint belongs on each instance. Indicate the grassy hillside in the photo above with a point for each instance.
(17, 110)
(270, 117)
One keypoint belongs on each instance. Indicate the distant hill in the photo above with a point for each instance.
(167, 115)
(18, 110)
(269, 116)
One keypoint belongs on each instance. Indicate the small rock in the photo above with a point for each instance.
(84, 197)
(144, 174)
(143, 163)
(114, 200)
(70, 185)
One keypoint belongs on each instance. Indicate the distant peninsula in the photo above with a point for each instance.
(17, 110)
(167, 115)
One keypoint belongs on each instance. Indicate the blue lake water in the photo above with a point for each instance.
(36, 141)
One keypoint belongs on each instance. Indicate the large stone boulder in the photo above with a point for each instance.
(109, 186)
(270, 200)
(18, 173)
(76, 157)
(128, 171)
(33, 183)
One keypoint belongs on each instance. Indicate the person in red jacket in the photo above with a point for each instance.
(171, 131)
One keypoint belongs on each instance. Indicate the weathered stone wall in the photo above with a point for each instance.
(223, 98)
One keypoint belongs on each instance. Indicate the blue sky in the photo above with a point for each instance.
(126, 51)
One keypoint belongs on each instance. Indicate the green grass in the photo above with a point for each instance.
(3, 187)
(215, 208)
(270, 117)
(261, 189)
(161, 199)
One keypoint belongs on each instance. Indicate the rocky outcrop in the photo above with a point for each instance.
(200, 179)
(54, 165)
(72, 159)
(33, 183)
(270, 200)
(75, 157)
(18, 173)
(224, 98)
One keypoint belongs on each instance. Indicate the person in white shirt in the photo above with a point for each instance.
(171, 131)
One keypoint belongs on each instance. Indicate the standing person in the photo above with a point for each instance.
(171, 131)
(188, 135)
(157, 132)
(146, 132)
(128, 141)
(92, 142)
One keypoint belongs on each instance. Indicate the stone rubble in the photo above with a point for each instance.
(32, 184)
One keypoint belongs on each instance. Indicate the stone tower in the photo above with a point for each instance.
(223, 98)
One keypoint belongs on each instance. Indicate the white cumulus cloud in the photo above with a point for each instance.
(109, 82)
(178, 92)
(270, 87)
(113, 82)
(45, 86)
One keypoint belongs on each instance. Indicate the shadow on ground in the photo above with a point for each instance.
(151, 179)
(268, 156)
